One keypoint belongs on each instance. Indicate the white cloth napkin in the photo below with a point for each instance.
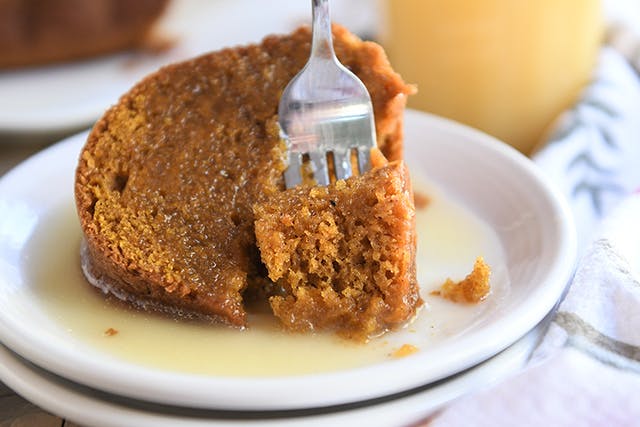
(586, 371)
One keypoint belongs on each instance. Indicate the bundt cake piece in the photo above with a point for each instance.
(167, 181)
(344, 254)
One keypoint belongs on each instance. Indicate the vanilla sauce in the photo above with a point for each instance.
(450, 237)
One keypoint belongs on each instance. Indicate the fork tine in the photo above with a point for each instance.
(320, 168)
(364, 159)
(342, 163)
(293, 174)
(324, 109)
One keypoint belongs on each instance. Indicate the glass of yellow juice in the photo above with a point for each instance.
(507, 67)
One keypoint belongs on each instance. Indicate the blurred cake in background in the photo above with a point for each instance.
(36, 32)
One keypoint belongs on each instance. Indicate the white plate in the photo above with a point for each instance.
(55, 99)
(495, 182)
(91, 407)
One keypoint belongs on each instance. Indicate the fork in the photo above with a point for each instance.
(325, 110)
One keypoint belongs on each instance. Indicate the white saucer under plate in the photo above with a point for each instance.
(496, 184)
(94, 408)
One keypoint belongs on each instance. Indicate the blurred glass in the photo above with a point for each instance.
(507, 67)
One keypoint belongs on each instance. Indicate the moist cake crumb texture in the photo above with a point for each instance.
(343, 254)
(474, 288)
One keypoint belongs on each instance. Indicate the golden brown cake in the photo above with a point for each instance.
(344, 254)
(166, 182)
(34, 32)
(474, 288)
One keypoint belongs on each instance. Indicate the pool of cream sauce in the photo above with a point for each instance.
(450, 237)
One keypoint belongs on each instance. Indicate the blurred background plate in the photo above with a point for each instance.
(61, 99)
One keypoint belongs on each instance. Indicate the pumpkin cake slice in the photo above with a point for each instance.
(343, 254)
(166, 182)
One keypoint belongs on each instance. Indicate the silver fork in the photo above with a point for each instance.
(325, 109)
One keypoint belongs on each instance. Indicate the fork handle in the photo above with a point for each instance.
(321, 42)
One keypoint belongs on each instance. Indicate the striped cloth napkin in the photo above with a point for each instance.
(586, 371)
